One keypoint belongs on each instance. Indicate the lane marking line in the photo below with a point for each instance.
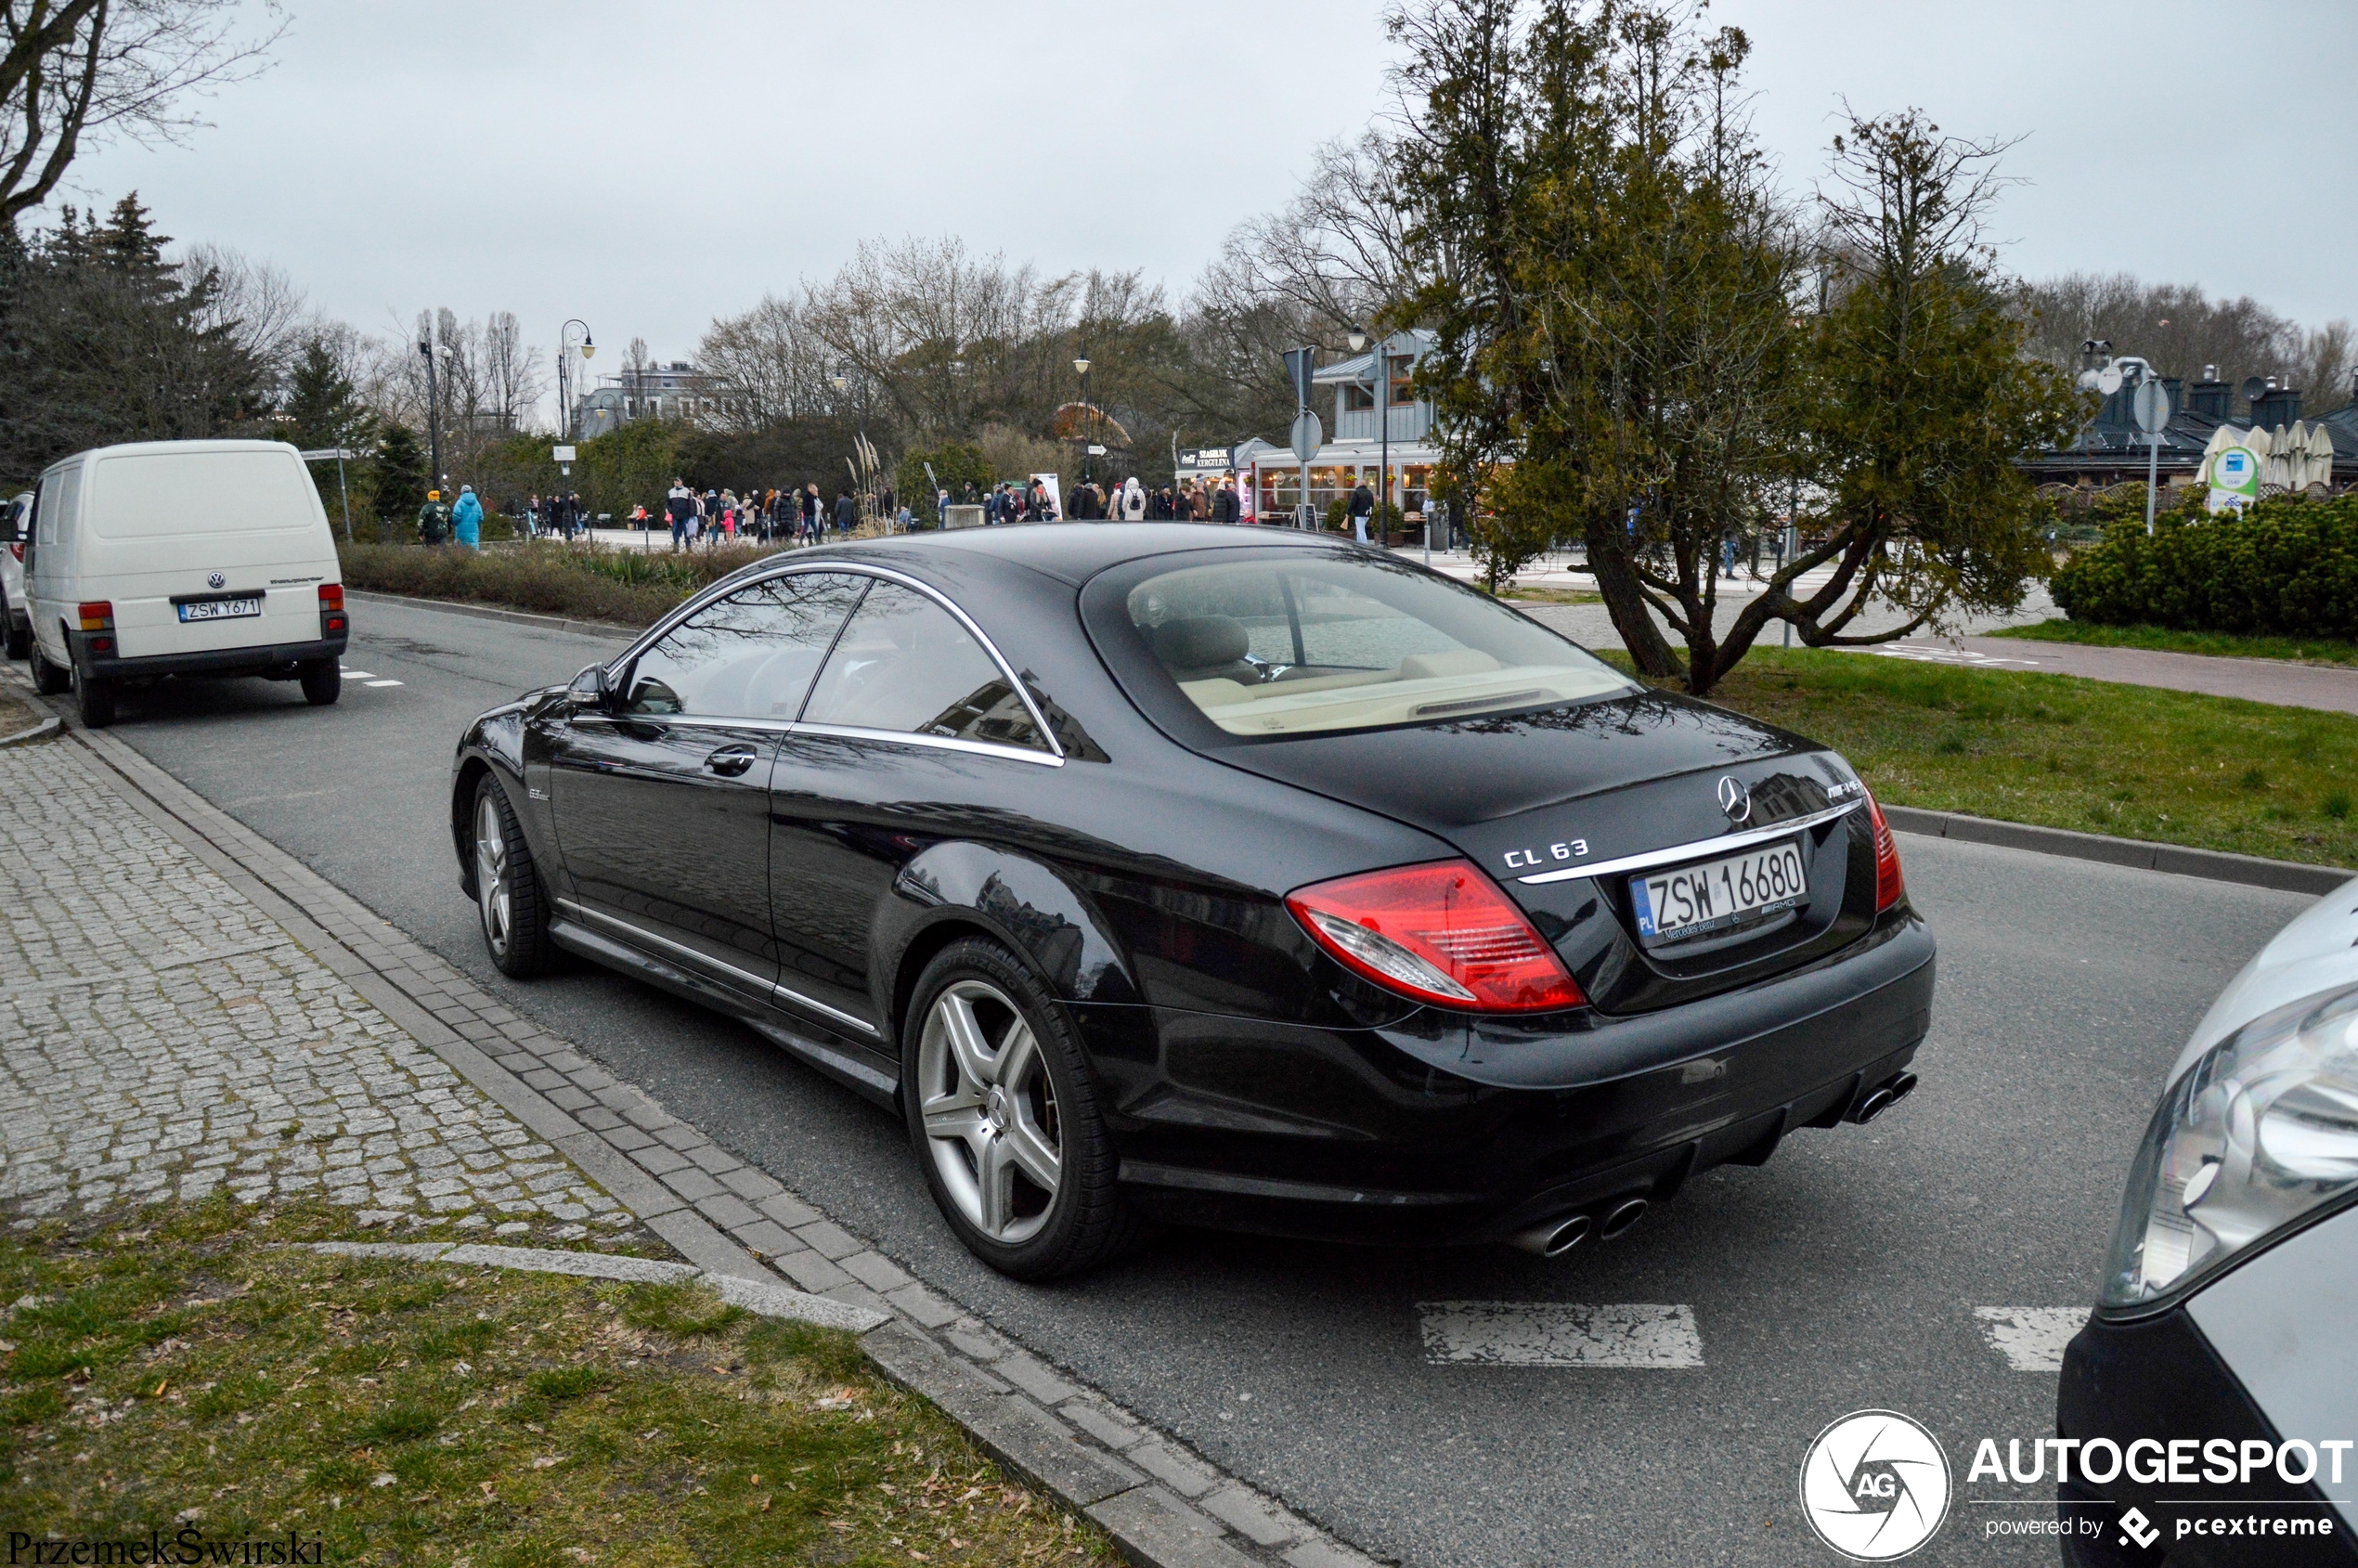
(380, 685)
(2031, 1338)
(351, 673)
(1560, 1334)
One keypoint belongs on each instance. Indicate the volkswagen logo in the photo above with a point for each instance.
(214, 579)
(1735, 798)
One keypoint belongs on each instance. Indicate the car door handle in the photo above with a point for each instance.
(729, 760)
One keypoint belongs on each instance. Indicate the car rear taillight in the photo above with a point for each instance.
(16, 548)
(332, 619)
(331, 596)
(98, 615)
(1890, 887)
(1441, 932)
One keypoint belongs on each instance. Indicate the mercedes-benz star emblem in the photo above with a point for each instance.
(214, 579)
(1735, 799)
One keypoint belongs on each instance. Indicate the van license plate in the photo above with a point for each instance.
(1696, 899)
(220, 609)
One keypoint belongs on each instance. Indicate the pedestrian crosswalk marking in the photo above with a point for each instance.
(1560, 1334)
(380, 685)
(352, 674)
(2030, 1337)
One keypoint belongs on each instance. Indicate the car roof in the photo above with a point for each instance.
(1076, 551)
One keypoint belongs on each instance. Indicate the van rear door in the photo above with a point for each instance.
(206, 547)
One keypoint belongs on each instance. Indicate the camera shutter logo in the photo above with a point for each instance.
(1735, 798)
(215, 579)
(1875, 1485)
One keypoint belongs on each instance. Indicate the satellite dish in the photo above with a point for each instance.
(2254, 389)
(2108, 379)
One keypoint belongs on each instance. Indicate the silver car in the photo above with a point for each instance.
(16, 618)
(2213, 1396)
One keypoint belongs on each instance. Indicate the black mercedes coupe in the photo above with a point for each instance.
(1219, 875)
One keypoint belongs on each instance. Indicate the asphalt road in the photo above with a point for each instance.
(1844, 1274)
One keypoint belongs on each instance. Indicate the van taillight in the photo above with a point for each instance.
(98, 615)
(331, 596)
(332, 617)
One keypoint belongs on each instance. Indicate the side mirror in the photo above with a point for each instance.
(591, 690)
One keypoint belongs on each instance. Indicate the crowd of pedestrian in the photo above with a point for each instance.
(1130, 502)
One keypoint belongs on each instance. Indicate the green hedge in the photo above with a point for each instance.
(2285, 567)
(586, 582)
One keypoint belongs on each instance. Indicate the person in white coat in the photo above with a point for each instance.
(1134, 502)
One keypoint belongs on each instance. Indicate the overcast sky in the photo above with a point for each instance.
(648, 166)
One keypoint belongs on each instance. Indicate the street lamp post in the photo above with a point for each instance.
(1379, 381)
(434, 417)
(1088, 415)
(564, 381)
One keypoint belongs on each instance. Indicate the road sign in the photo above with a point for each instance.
(561, 454)
(2152, 408)
(1299, 365)
(1308, 437)
(330, 454)
(1096, 450)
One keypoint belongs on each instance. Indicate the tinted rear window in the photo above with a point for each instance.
(153, 495)
(1296, 642)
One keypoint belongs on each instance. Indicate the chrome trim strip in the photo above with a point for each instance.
(641, 934)
(1701, 848)
(946, 743)
(864, 568)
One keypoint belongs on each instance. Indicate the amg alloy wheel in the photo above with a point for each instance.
(1002, 1111)
(990, 1111)
(508, 895)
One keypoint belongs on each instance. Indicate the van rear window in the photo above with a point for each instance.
(157, 495)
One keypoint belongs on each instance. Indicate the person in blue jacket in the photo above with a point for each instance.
(466, 518)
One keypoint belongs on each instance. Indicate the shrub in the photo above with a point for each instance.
(2285, 567)
(587, 582)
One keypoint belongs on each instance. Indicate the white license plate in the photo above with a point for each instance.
(1696, 899)
(220, 609)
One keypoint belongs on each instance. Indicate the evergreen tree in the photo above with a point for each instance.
(321, 408)
(397, 477)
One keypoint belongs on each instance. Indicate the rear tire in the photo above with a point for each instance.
(1003, 1113)
(512, 903)
(47, 678)
(20, 641)
(96, 700)
(322, 681)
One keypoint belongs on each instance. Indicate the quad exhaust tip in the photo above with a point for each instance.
(1620, 1218)
(1553, 1239)
(1883, 1099)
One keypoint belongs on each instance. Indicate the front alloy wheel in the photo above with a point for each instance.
(508, 895)
(990, 1112)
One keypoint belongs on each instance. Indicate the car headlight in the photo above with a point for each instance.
(2258, 1133)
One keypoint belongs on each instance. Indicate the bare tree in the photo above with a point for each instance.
(256, 302)
(511, 370)
(77, 71)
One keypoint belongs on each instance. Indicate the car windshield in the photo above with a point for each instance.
(1315, 642)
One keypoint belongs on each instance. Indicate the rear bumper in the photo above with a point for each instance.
(213, 661)
(1438, 1131)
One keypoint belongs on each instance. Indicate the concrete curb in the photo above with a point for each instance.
(40, 732)
(614, 630)
(767, 1300)
(1163, 1506)
(2213, 865)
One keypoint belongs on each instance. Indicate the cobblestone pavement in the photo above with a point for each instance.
(161, 1037)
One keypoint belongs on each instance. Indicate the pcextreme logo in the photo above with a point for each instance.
(1874, 1486)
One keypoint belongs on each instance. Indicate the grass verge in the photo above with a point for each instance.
(2175, 766)
(186, 1369)
(1552, 596)
(2219, 645)
(14, 716)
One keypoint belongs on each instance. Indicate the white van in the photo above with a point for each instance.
(182, 558)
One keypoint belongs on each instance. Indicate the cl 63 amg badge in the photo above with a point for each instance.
(1570, 849)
